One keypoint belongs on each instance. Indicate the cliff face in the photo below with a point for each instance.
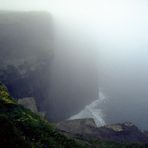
(25, 53)
(31, 66)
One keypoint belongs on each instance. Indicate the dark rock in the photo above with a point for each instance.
(87, 130)
(29, 103)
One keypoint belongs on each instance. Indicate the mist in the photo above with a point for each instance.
(109, 37)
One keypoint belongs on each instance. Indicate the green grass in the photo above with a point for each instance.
(22, 128)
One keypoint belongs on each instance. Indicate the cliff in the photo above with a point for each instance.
(34, 63)
(29, 103)
(26, 47)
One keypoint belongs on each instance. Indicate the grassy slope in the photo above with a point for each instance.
(19, 127)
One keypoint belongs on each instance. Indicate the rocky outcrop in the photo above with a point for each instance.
(25, 53)
(29, 103)
(122, 132)
(77, 126)
(86, 129)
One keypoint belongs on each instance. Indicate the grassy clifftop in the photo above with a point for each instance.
(22, 128)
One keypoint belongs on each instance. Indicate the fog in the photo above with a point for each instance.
(114, 34)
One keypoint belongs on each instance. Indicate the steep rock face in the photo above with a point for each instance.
(25, 53)
(61, 80)
(86, 129)
(29, 103)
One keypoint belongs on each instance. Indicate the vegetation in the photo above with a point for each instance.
(22, 128)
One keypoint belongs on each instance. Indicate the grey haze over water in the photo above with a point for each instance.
(115, 33)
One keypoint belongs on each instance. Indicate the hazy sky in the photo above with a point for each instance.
(125, 21)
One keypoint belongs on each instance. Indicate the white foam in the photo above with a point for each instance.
(92, 111)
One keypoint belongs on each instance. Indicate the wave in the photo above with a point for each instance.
(93, 110)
